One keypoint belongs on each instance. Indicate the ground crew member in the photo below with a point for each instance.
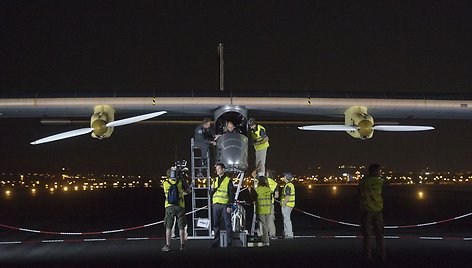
(203, 137)
(262, 195)
(288, 203)
(175, 211)
(260, 140)
(223, 198)
(274, 188)
(371, 208)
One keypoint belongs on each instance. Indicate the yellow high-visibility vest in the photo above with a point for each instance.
(221, 195)
(272, 186)
(166, 186)
(291, 197)
(263, 203)
(256, 137)
(370, 189)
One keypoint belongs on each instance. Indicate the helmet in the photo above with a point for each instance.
(251, 121)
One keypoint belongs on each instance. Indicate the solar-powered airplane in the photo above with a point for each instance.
(358, 110)
(288, 107)
(303, 108)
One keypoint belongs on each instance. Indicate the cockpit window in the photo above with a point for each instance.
(231, 122)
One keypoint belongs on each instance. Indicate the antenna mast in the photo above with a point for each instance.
(220, 67)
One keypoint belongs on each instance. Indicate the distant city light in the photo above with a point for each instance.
(420, 195)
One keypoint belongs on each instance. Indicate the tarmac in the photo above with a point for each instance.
(298, 252)
(446, 243)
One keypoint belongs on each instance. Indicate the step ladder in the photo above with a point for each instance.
(201, 194)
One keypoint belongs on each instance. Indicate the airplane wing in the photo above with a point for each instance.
(280, 105)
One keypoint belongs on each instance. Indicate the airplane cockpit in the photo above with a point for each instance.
(231, 122)
(232, 143)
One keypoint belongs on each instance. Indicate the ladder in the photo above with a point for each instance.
(201, 195)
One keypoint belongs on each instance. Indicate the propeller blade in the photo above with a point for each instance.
(64, 135)
(402, 128)
(134, 119)
(329, 128)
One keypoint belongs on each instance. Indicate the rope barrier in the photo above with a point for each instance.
(386, 227)
(97, 232)
(191, 212)
(92, 233)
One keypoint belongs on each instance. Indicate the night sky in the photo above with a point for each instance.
(328, 46)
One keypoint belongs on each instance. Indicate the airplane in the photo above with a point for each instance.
(235, 106)
(358, 109)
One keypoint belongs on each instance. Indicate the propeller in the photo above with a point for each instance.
(354, 128)
(82, 131)
(329, 128)
(402, 128)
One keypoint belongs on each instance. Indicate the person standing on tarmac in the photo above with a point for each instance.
(175, 211)
(287, 204)
(371, 208)
(223, 197)
(260, 140)
(203, 137)
(274, 188)
(262, 195)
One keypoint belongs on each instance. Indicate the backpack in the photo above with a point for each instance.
(173, 194)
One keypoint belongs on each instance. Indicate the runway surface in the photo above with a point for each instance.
(110, 210)
(316, 252)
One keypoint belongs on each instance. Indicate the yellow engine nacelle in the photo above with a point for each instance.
(102, 114)
(357, 116)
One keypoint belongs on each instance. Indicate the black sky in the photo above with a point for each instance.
(423, 46)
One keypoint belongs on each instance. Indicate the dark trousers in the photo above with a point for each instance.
(205, 151)
(373, 220)
(221, 215)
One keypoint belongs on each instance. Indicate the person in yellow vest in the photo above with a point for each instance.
(223, 198)
(371, 207)
(175, 211)
(274, 188)
(288, 203)
(260, 140)
(263, 196)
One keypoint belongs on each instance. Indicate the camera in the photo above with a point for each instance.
(179, 170)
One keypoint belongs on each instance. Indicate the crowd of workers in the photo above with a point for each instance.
(264, 193)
